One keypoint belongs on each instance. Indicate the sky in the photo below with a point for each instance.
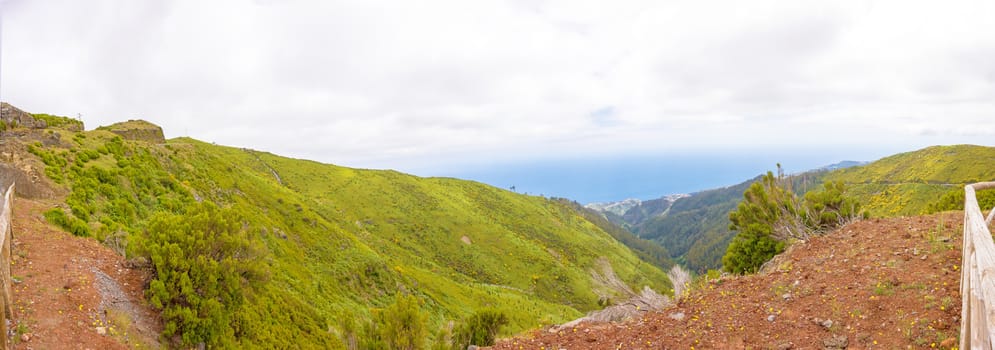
(474, 88)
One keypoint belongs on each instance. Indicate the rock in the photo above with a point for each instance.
(102, 330)
(137, 130)
(14, 116)
(677, 316)
(948, 343)
(786, 346)
(786, 296)
(824, 323)
(26, 337)
(471, 347)
(837, 342)
(770, 318)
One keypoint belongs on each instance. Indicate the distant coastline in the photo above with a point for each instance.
(640, 177)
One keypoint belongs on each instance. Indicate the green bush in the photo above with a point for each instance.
(403, 324)
(771, 215)
(830, 208)
(71, 224)
(480, 329)
(750, 249)
(400, 326)
(204, 264)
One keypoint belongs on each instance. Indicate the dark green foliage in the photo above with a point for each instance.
(204, 265)
(480, 329)
(830, 208)
(751, 248)
(769, 203)
(767, 206)
(67, 222)
(771, 214)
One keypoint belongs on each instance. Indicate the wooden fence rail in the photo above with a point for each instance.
(6, 236)
(977, 282)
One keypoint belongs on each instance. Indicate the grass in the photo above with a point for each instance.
(883, 288)
(914, 183)
(343, 241)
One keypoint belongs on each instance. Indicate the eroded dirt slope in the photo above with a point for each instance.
(73, 293)
(875, 284)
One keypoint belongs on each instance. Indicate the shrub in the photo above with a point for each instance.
(771, 215)
(204, 265)
(480, 329)
(71, 224)
(830, 208)
(402, 325)
(752, 246)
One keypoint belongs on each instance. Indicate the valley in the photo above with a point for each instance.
(322, 254)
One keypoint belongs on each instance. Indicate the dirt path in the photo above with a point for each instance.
(73, 289)
(875, 284)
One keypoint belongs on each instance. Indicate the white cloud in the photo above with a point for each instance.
(419, 84)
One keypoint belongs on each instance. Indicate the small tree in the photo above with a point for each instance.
(771, 215)
(770, 202)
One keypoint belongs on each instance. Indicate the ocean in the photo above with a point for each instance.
(603, 179)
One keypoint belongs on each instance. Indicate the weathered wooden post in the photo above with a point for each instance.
(977, 285)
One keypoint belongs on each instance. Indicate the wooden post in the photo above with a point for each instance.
(6, 304)
(977, 286)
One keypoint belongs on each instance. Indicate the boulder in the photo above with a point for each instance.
(11, 115)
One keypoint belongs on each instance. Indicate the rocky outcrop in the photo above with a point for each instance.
(137, 130)
(13, 116)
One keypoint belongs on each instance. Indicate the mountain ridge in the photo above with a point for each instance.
(340, 243)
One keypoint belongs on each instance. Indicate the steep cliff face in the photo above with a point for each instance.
(137, 130)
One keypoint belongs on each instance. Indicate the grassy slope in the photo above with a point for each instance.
(906, 183)
(343, 240)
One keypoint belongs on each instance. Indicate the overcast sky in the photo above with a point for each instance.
(425, 85)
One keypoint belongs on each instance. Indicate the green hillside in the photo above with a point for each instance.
(908, 183)
(309, 252)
